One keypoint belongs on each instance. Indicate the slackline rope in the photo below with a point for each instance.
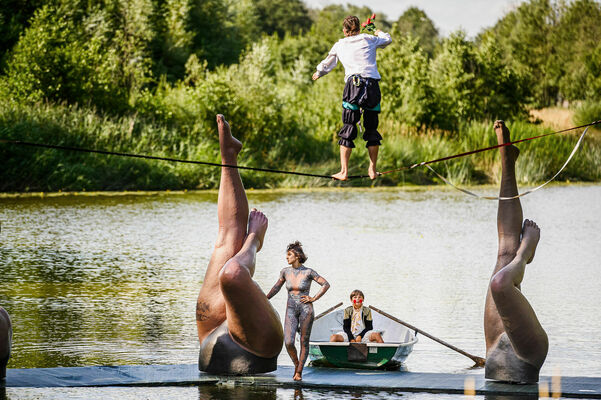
(518, 195)
(113, 153)
(483, 149)
(276, 171)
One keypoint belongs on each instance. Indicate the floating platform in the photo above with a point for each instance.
(188, 374)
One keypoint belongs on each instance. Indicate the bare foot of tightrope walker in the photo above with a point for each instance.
(530, 237)
(229, 145)
(257, 226)
(371, 171)
(298, 376)
(341, 176)
(503, 136)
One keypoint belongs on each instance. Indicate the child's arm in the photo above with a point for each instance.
(346, 327)
(383, 39)
(327, 65)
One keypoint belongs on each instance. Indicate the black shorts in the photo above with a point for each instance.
(360, 94)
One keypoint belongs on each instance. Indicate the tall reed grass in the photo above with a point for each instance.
(32, 169)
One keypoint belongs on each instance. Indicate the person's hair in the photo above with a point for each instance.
(297, 248)
(356, 292)
(351, 25)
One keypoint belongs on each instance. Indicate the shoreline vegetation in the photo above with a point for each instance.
(47, 170)
(490, 189)
(143, 77)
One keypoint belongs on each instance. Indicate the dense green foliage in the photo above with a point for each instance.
(554, 45)
(148, 76)
(415, 22)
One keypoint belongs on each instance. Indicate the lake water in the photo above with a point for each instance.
(113, 279)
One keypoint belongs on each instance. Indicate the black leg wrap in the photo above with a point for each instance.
(371, 134)
(348, 132)
(346, 143)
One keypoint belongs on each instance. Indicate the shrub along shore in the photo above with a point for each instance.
(27, 169)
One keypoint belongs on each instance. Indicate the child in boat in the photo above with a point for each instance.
(357, 53)
(357, 323)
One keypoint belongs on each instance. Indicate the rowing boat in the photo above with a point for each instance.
(398, 344)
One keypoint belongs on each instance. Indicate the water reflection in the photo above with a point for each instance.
(227, 392)
(220, 392)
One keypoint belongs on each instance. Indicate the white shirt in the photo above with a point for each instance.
(357, 54)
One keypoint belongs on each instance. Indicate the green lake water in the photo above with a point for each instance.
(113, 279)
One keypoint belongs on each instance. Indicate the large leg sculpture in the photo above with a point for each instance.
(228, 291)
(507, 311)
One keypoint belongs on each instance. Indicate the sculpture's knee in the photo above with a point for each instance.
(233, 275)
(5, 341)
(500, 283)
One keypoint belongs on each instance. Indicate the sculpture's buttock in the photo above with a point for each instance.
(502, 364)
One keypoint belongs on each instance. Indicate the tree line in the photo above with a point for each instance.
(149, 75)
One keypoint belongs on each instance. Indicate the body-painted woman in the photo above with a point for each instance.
(299, 310)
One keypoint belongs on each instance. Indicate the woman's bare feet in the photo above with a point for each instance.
(297, 375)
(341, 176)
(530, 238)
(229, 145)
(257, 226)
(503, 136)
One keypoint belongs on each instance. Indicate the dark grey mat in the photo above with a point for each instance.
(148, 375)
(125, 375)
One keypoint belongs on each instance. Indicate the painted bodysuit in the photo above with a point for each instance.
(299, 315)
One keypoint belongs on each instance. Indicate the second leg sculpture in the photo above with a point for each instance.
(516, 343)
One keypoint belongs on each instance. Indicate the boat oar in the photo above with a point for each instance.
(478, 360)
(329, 310)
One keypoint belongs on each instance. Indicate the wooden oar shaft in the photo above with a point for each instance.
(329, 310)
(478, 360)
